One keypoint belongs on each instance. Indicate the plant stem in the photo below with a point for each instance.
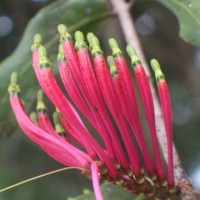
(122, 10)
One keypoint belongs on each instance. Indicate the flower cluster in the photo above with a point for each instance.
(104, 92)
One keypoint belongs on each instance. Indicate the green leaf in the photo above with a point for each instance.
(111, 192)
(188, 15)
(83, 15)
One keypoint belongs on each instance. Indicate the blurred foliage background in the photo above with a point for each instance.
(158, 30)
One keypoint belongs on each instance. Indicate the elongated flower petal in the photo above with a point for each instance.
(110, 96)
(93, 90)
(58, 127)
(129, 104)
(50, 86)
(107, 129)
(76, 70)
(167, 115)
(147, 100)
(72, 88)
(86, 107)
(74, 135)
(56, 148)
(43, 119)
(72, 58)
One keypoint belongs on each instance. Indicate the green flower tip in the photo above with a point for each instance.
(40, 95)
(64, 34)
(33, 117)
(37, 42)
(111, 62)
(113, 43)
(14, 87)
(94, 45)
(61, 54)
(62, 28)
(155, 65)
(116, 52)
(44, 62)
(132, 53)
(93, 40)
(79, 36)
(157, 70)
(80, 41)
(60, 49)
(59, 128)
(14, 78)
(42, 52)
(37, 38)
(56, 117)
(90, 36)
(41, 107)
(130, 50)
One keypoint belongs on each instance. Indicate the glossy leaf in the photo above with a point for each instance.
(111, 192)
(82, 15)
(188, 15)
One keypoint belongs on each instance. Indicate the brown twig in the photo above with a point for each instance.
(121, 8)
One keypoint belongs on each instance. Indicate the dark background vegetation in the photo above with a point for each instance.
(158, 30)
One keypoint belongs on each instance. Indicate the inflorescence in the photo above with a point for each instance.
(104, 92)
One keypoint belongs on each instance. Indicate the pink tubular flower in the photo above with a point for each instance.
(108, 100)
(167, 115)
